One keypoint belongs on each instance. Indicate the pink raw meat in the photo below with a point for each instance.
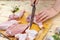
(28, 35)
(7, 24)
(38, 23)
(15, 29)
(16, 16)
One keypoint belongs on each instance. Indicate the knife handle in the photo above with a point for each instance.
(34, 3)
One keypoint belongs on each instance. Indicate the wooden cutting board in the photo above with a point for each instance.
(41, 35)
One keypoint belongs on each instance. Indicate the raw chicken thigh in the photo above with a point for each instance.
(16, 16)
(17, 28)
(7, 24)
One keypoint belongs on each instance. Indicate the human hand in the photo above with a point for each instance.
(46, 14)
(32, 1)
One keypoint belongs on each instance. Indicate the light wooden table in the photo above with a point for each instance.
(26, 5)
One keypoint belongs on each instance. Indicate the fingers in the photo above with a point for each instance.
(42, 18)
(38, 16)
(45, 19)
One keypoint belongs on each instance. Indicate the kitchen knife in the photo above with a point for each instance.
(33, 13)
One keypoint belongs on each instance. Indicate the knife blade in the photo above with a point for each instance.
(33, 13)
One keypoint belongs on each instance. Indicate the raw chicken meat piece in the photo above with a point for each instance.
(38, 23)
(21, 36)
(7, 24)
(16, 16)
(17, 28)
(29, 35)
